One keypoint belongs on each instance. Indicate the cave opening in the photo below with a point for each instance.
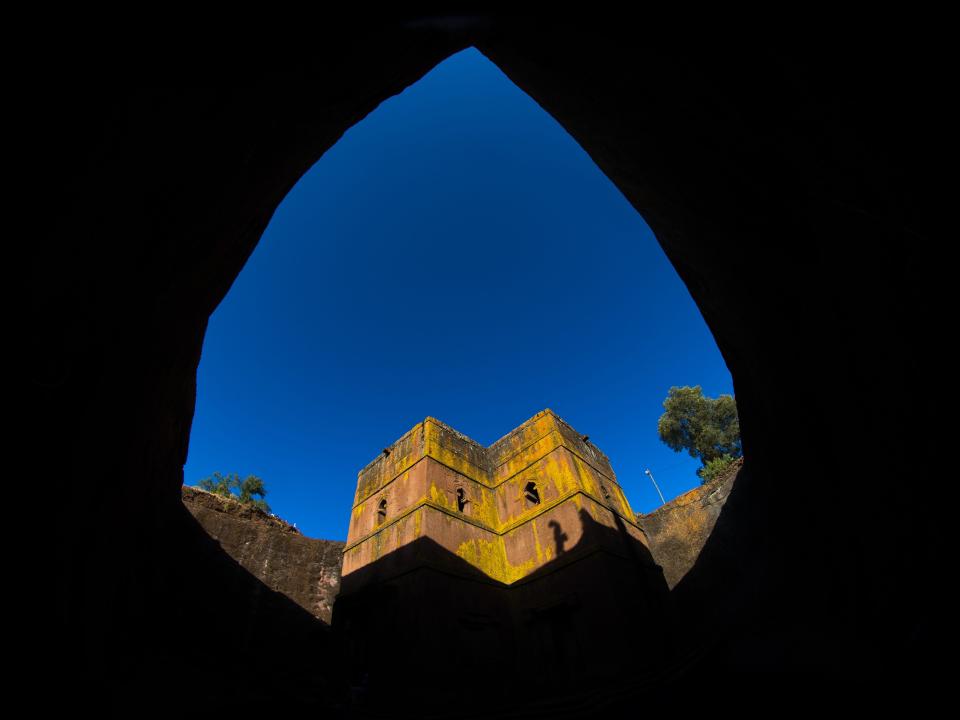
(788, 192)
(455, 254)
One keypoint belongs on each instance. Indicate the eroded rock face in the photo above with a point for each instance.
(678, 530)
(305, 570)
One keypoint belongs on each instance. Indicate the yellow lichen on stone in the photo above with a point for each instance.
(544, 450)
(524, 457)
(442, 446)
(437, 497)
(484, 510)
(559, 470)
(536, 543)
(490, 557)
(544, 555)
(402, 455)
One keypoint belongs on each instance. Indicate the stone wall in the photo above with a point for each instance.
(305, 570)
(411, 491)
(678, 530)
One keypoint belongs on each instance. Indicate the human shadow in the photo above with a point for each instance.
(575, 619)
(559, 536)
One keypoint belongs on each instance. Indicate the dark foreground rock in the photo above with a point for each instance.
(305, 570)
(796, 185)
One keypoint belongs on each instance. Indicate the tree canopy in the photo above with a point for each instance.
(232, 486)
(707, 428)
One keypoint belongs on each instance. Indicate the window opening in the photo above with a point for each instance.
(531, 493)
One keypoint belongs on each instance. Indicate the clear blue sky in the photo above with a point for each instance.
(455, 254)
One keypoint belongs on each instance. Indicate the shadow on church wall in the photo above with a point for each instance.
(424, 625)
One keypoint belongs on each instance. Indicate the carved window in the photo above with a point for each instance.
(605, 490)
(382, 511)
(531, 493)
(461, 499)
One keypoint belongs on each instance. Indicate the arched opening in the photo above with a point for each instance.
(500, 273)
(775, 178)
(455, 254)
(531, 494)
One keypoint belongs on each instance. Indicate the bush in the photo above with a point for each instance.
(231, 486)
(715, 468)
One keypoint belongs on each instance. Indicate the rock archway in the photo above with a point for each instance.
(791, 195)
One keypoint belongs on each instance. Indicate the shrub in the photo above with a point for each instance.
(715, 468)
(231, 486)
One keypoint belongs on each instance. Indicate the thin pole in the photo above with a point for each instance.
(662, 501)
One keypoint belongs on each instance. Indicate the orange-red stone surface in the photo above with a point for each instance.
(416, 488)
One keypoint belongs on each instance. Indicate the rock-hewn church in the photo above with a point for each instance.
(523, 556)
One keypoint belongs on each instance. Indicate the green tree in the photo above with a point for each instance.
(249, 491)
(219, 484)
(707, 428)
